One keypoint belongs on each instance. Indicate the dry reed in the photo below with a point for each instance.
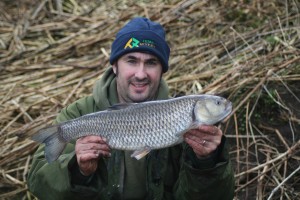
(51, 53)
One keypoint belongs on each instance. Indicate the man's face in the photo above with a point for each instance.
(138, 76)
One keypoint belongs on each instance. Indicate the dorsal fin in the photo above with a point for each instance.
(120, 106)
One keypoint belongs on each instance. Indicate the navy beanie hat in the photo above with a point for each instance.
(141, 35)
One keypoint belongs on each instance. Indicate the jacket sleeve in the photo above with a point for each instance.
(54, 181)
(210, 178)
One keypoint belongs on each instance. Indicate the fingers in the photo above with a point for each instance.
(92, 138)
(211, 130)
(199, 148)
(204, 140)
(92, 146)
(88, 151)
(205, 134)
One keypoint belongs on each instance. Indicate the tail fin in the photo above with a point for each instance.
(55, 144)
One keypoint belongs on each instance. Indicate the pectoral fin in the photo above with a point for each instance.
(193, 125)
(140, 153)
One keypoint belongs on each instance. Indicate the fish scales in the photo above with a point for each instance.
(150, 125)
(141, 127)
(154, 129)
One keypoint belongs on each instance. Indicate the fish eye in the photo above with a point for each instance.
(218, 102)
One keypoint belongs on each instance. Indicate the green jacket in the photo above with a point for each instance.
(172, 173)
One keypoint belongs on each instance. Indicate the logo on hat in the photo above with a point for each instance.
(133, 42)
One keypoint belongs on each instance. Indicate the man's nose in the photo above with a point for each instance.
(141, 71)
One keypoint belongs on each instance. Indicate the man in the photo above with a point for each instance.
(199, 168)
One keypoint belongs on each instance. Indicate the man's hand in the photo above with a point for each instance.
(204, 140)
(88, 150)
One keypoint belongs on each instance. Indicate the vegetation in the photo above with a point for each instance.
(52, 51)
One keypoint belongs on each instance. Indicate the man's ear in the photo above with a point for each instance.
(114, 67)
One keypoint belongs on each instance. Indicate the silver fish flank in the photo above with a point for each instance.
(141, 127)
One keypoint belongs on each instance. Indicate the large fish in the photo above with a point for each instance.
(138, 126)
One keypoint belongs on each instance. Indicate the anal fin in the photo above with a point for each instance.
(140, 153)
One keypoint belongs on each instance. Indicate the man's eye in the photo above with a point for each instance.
(131, 61)
(152, 63)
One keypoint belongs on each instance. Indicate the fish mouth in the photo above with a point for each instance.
(228, 110)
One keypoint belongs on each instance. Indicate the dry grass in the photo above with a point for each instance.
(51, 53)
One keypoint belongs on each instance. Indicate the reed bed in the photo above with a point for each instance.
(52, 52)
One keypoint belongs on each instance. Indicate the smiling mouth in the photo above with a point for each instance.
(139, 84)
(139, 87)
